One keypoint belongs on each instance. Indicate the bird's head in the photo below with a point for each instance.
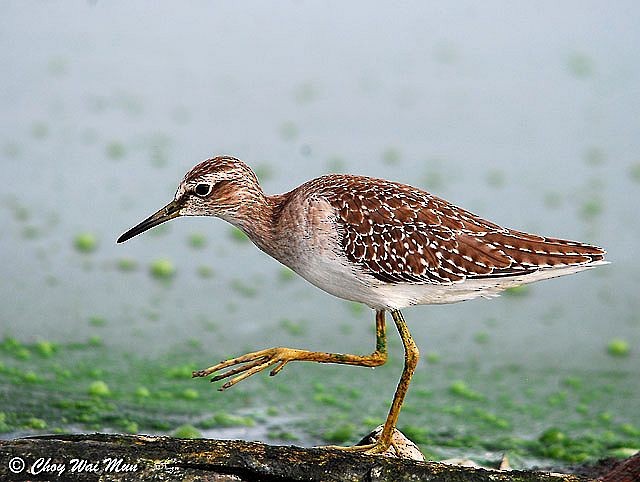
(219, 187)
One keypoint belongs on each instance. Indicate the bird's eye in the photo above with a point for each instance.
(203, 189)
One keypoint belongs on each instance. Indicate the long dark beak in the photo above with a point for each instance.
(170, 211)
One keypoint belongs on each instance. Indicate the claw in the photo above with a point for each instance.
(249, 364)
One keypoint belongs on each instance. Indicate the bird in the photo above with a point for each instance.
(385, 244)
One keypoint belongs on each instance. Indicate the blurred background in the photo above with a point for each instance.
(525, 114)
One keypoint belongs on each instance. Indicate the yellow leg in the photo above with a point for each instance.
(411, 357)
(255, 362)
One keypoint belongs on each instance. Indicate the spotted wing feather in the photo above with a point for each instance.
(402, 234)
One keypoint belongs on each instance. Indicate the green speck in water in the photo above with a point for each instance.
(552, 199)
(162, 268)
(391, 156)
(557, 399)
(356, 309)
(634, 172)
(238, 235)
(115, 150)
(197, 240)
(127, 264)
(187, 431)
(594, 156)
(189, 394)
(243, 288)
(552, 436)
(160, 230)
(12, 150)
(482, 337)
(460, 389)
(36, 423)
(224, 419)
(630, 430)
(263, 172)
(97, 321)
(282, 435)
(294, 328)
(432, 357)
(623, 452)
(99, 389)
(142, 392)
(95, 340)
(340, 434)
(520, 290)
(492, 419)
(57, 66)
(286, 274)
(130, 427)
(289, 131)
(39, 130)
(591, 209)
(496, 178)
(45, 348)
(179, 372)
(572, 382)
(205, 271)
(618, 348)
(85, 242)
(336, 164)
(305, 93)
(445, 53)
(580, 65)
(30, 232)
(31, 377)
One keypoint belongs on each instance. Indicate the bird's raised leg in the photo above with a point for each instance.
(411, 357)
(252, 363)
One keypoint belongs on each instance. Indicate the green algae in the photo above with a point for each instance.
(39, 130)
(46, 348)
(187, 431)
(580, 65)
(496, 178)
(618, 348)
(243, 289)
(594, 156)
(634, 172)
(97, 321)
(190, 394)
(205, 271)
(391, 156)
(341, 434)
(294, 328)
(98, 389)
(85, 242)
(162, 269)
(197, 240)
(521, 290)
(115, 150)
(225, 419)
(591, 208)
(289, 131)
(483, 423)
(459, 388)
(286, 274)
(127, 265)
(238, 235)
(142, 392)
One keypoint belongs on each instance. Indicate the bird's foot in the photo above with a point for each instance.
(250, 364)
(397, 445)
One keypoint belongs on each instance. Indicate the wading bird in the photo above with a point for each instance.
(377, 242)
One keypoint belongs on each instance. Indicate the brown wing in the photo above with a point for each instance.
(402, 234)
